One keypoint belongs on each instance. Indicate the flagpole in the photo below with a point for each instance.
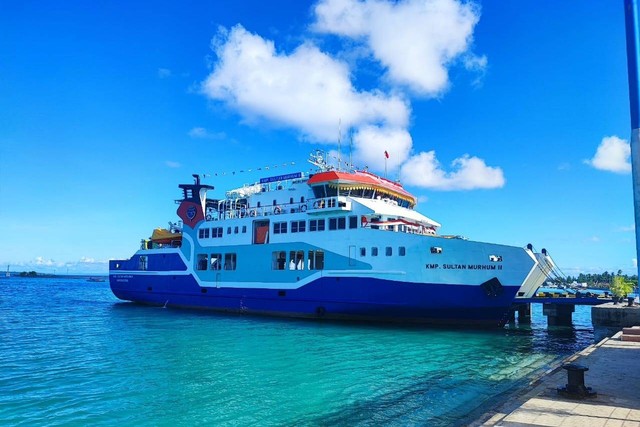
(386, 157)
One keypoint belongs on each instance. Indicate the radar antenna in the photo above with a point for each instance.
(317, 158)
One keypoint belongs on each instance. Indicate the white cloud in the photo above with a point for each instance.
(307, 89)
(310, 91)
(47, 265)
(88, 260)
(197, 132)
(468, 173)
(172, 164)
(612, 155)
(414, 39)
(163, 73)
(477, 64)
(202, 133)
(44, 262)
(369, 146)
(371, 142)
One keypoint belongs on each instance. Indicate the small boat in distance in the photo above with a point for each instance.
(8, 273)
(334, 244)
(96, 279)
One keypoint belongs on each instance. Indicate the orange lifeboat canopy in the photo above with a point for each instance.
(164, 236)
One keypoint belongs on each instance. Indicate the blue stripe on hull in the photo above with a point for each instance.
(330, 297)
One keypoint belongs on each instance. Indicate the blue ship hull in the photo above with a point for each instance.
(328, 298)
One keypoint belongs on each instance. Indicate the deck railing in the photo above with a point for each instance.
(316, 205)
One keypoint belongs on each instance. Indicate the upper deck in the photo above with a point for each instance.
(325, 191)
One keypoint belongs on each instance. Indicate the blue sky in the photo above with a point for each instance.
(509, 120)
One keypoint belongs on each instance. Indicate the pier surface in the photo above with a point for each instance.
(614, 374)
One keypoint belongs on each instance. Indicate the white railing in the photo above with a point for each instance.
(323, 204)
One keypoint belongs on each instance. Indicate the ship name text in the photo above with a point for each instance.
(463, 267)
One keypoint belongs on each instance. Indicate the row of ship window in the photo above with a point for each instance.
(217, 261)
(388, 251)
(296, 260)
(205, 233)
(337, 223)
(281, 260)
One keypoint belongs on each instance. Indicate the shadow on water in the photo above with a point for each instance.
(203, 313)
(534, 337)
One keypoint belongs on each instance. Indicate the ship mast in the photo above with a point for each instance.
(339, 142)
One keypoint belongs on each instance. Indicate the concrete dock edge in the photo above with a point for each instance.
(614, 373)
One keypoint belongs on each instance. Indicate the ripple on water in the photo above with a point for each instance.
(72, 354)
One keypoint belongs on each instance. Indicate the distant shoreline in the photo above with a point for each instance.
(34, 275)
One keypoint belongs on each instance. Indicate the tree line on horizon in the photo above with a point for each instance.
(599, 279)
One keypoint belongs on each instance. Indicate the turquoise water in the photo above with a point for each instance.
(71, 354)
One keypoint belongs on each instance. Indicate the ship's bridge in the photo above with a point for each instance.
(360, 184)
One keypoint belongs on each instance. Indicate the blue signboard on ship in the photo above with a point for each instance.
(281, 177)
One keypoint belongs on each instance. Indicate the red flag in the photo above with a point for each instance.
(386, 154)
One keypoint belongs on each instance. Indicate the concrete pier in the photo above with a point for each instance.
(523, 310)
(558, 314)
(524, 313)
(619, 315)
(613, 374)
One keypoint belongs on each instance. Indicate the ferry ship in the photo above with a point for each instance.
(333, 244)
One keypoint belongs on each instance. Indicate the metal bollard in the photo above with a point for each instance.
(575, 388)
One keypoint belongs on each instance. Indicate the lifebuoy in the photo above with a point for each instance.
(208, 217)
(252, 212)
(277, 210)
(303, 208)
